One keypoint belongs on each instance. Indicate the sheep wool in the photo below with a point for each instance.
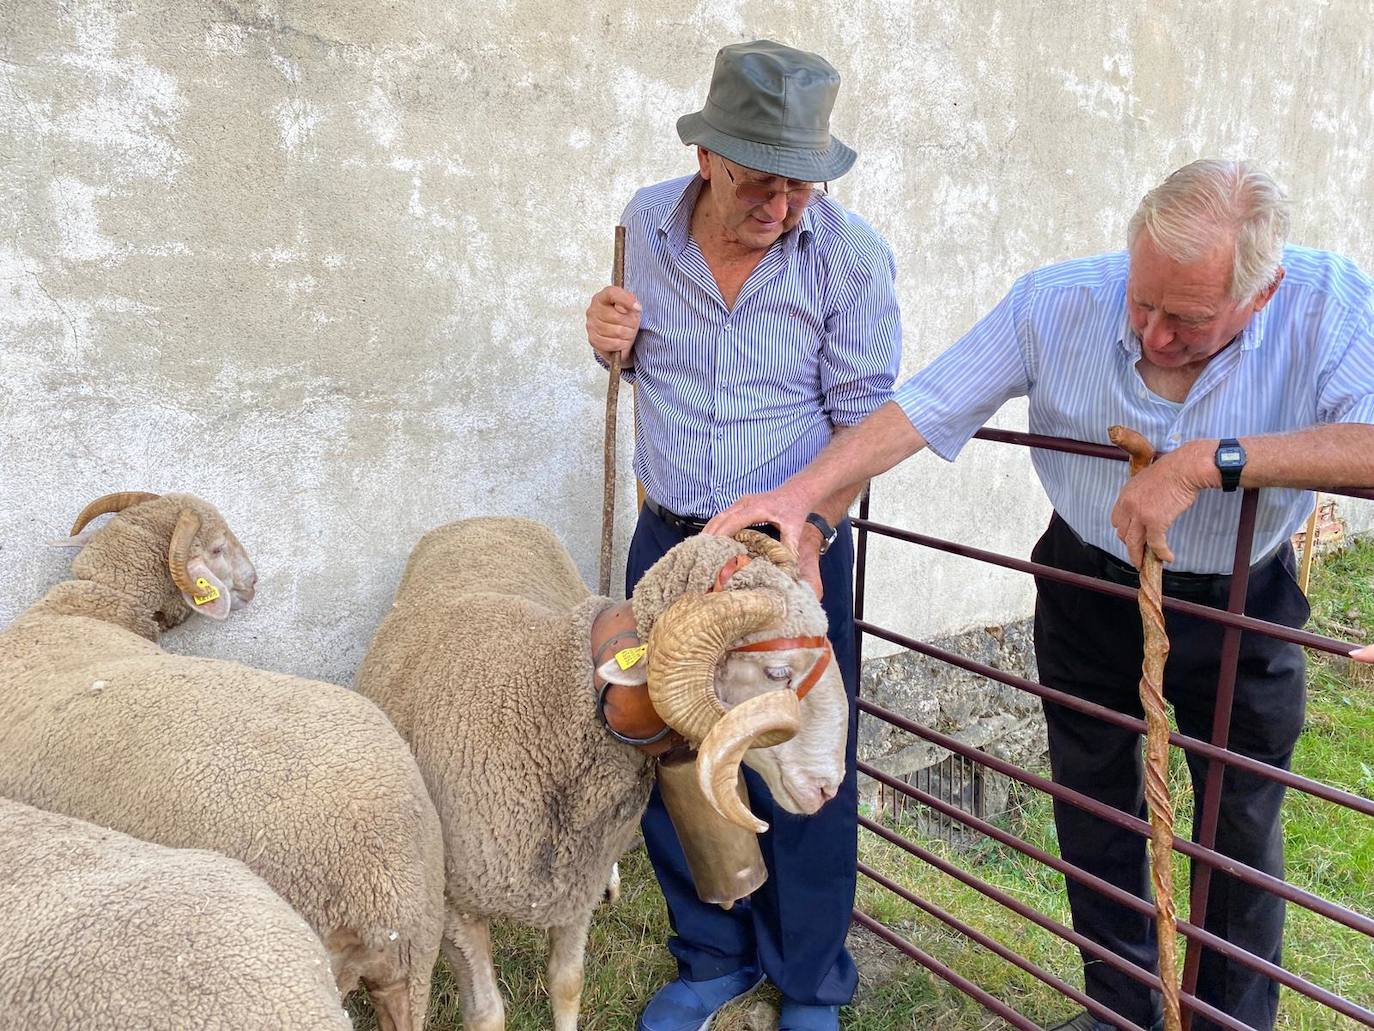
(105, 932)
(483, 664)
(307, 783)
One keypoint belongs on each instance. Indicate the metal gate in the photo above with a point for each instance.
(1201, 853)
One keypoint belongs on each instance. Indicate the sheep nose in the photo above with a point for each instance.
(829, 789)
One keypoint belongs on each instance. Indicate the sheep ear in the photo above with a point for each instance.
(636, 676)
(79, 540)
(210, 597)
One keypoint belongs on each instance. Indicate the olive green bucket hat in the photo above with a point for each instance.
(769, 109)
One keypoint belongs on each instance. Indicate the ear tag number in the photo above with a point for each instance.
(627, 657)
(211, 592)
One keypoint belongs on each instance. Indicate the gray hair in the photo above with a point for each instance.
(1210, 202)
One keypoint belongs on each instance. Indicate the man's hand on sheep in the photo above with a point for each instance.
(786, 508)
(613, 323)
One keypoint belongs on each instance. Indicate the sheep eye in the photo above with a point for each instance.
(218, 549)
(778, 672)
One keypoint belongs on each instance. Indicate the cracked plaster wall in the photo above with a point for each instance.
(325, 263)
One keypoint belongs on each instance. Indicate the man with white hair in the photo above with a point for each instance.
(1246, 364)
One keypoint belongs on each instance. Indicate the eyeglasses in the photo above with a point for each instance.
(755, 194)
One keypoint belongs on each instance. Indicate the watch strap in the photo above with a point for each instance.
(827, 532)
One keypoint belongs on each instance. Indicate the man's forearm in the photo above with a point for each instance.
(1334, 455)
(834, 507)
(856, 455)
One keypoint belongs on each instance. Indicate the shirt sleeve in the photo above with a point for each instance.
(954, 395)
(1346, 390)
(862, 349)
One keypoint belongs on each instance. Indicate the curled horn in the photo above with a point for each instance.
(188, 523)
(685, 646)
(767, 719)
(110, 503)
(763, 546)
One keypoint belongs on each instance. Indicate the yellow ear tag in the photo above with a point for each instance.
(211, 592)
(627, 657)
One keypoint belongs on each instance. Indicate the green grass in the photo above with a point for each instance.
(1330, 852)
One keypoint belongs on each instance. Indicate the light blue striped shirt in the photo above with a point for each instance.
(734, 401)
(1062, 338)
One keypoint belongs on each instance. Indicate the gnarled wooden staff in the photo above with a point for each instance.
(608, 446)
(1156, 743)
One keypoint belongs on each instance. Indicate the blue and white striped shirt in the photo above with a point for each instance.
(1062, 338)
(734, 401)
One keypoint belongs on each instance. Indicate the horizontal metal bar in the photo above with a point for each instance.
(994, 946)
(1083, 447)
(1189, 608)
(1241, 871)
(1123, 898)
(987, 1000)
(1137, 973)
(1288, 778)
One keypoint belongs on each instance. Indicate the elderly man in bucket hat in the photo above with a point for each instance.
(759, 319)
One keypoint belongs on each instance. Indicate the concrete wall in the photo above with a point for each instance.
(325, 262)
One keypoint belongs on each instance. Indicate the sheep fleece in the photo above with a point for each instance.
(103, 931)
(484, 665)
(306, 782)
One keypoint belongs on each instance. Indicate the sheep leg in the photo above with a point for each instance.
(391, 1003)
(467, 946)
(567, 948)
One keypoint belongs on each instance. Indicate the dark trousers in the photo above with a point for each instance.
(793, 928)
(1090, 645)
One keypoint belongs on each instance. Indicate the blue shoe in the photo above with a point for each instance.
(684, 1005)
(796, 1017)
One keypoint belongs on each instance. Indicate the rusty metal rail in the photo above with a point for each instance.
(1200, 852)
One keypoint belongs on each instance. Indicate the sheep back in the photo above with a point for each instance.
(103, 931)
(485, 663)
(305, 782)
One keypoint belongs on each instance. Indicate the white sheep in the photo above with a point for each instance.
(103, 931)
(305, 782)
(485, 666)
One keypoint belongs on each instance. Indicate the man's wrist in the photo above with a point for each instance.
(1198, 464)
(824, 531)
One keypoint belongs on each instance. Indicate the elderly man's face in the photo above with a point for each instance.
(746, 221)
(1184, 314)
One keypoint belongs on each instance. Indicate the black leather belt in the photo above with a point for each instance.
(1188, 586)
(692, 524)
(687, 524)
(1177, 585)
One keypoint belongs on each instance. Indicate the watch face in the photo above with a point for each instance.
(1230, 456)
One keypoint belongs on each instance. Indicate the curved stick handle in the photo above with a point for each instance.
(1151, 597)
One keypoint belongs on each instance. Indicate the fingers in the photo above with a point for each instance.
(613, 320)
(809, 568)
(619, 298)
(744, 512)
(1159, 544)
(1365, 654)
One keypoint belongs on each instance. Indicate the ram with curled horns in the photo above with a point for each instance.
(486, 665)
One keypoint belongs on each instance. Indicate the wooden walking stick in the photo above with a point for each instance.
(1156, 744)
(608, 447)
